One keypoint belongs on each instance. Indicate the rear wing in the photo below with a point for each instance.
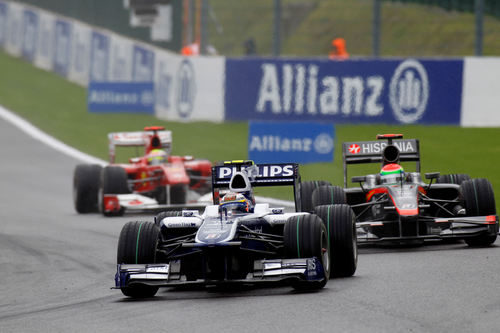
(275, 174)
(140, 139)
(373, 152)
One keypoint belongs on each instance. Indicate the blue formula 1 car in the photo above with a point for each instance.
(236, 240)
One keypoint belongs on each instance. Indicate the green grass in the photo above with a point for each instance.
(308, 26)
(59, 108)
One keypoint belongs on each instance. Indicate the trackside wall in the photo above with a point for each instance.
(458, 91)
(186, 88)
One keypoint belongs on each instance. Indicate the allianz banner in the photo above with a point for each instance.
(283, 142)
(403, 91)
(121, 97)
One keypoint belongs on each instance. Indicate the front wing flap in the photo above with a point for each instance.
(169, 274)
(437, 228)
(137, 203)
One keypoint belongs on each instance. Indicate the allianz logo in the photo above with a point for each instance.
(322, 144)
(112, 97)
(300, 90)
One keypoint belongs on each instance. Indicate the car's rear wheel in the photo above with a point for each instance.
(306, 192)
(86, 179)
(328, 195)
(137, 245)
(113, 181)
(341, 228)
(454, 178)
(479, 200)
(305, 237)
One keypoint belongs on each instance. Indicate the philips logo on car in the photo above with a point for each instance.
(275, 142)
(283, 170)
(121, 97)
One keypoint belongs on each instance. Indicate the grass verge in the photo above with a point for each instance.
(59, 108)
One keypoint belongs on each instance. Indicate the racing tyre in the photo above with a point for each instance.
(178, 194)
(305, 237)
(328, 195)
(454, 178)
(137, 245)
(113, 181)
(306, 191)
(479, 200)
(341, 228)
(86, 179)
(170, 213)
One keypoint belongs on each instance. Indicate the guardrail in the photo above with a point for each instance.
(393, 91)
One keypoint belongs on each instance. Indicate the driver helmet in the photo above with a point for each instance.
(392, 174)
(156, 157)
(235, 203)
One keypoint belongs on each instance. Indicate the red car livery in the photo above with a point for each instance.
(154, 181)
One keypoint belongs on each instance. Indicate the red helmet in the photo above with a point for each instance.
(392, 174)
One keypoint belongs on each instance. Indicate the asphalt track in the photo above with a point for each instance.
(57, 267)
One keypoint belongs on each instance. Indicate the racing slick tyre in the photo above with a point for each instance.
(479, 200)
(306, 191)
(341, 228)
(113, 181)
(328, 195)
(86, 179)
(178, 194)
(137, 245)
(305, 237)
(454, 178)
(169, 213)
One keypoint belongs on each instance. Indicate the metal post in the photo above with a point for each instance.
(479, 8)
(277, 25)
(204, 27)
(376, 28)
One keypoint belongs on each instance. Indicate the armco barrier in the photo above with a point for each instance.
(185, 89)
(356, 91)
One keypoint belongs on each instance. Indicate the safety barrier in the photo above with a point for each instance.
(392, 91)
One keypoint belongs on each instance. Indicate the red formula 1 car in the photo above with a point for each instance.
(155, 181)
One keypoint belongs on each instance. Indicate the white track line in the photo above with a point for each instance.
(43, 137)
(47, 139)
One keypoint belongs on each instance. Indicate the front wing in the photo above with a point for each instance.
(436, 229)
(137, 203)
(169, 274)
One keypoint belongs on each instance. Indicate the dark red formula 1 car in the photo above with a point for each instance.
(399, 207)
(154, 181)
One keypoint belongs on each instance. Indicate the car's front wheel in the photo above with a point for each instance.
(479, 200)
(341, 227)
(305, 237)
(137, 245)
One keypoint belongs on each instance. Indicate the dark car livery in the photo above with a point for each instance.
(410, 210)
(263, 245)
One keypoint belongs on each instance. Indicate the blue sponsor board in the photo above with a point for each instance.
(30, 34)
(3, 23)
(281, 142)
(99, 56)
(143, 66)
(403, 91)
(121, 97)
(62, 45)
